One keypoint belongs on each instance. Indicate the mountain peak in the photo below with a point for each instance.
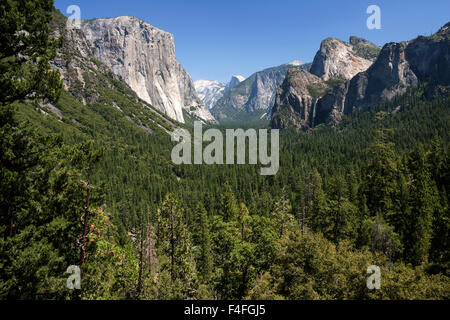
(235, 81)
(130, 21)
(446, 27)
(209, 91)
(238, 77)
(354, 40)
(444, 31)
(296, 63)
(340, 59)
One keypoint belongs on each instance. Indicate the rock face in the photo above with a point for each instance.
(398, 67)
(295, 104)
(339, 59)
(429, 57)
(144, 57)
(93, 84)
(336, 61)
(389, 76)
(255, 95)
(74, 61)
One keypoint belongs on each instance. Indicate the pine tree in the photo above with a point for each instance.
(424, 200)
(202, 239)
(228, 206)
(38, 234)
(244, 220)
(314, 202)
(380, 237)
(381, 177)
(340, 219)
(439, 167)
(174, 244)
(25, 51)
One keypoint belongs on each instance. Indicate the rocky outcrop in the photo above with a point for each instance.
(297, 99)
(398, 67)
(295, 102)
(389, 76)
(364, 48)
(339, 59)
(143, 56)
(429, 57)
(75, 62)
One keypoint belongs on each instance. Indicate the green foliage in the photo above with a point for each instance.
(44, 222)
(340, 216)
(26, 50)
(310, 267)
(202, 240)
(175, 248)
(317, 91)
(373, 190)
(334, 82)
(380, 237)
(424, 198)
(365, 51)
(228, 205)
(111, 271)
(381, 176)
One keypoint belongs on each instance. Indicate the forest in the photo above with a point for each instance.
(106, 197)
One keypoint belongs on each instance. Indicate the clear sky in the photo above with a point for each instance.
(216, 39)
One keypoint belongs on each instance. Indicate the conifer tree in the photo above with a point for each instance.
(37, 240)
(424, 200)
(228, 206)
(314, 202)
(339, 219)
(175, 245)
(25, 51)
(202, 239)
(282, 215)
(381, 176)
(244, 220)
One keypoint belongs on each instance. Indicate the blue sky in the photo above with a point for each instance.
(216, 39)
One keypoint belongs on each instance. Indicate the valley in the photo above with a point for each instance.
(86, 166)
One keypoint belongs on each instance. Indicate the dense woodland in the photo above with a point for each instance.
(105, 196)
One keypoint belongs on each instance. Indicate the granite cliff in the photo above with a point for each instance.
(143, 56)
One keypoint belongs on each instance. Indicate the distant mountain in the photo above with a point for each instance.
(211, 91)
(253, 98)
(143, 56)
(397, 67)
